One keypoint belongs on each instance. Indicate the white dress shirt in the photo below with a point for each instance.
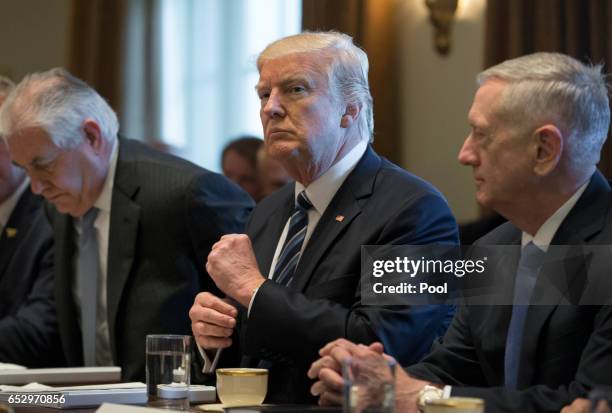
(543, 237)
(102, 226)
(320, 193)
(7, 207)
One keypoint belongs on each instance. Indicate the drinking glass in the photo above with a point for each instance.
(168, 361)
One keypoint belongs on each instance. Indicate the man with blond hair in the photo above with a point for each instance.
(293, 280)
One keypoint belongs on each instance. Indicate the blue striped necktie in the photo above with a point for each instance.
(526, 275)
(290, 254)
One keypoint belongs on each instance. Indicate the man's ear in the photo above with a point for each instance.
(549, 147)
(93, 134)
(351, 113)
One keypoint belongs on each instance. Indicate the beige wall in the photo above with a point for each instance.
(33, 36)
(436, 94)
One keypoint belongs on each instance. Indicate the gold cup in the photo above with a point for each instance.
(455, 405)
(242, 386)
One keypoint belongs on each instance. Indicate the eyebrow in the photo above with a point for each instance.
(308, 80)
(38, 161)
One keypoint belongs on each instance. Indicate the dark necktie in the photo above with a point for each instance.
(88, 272)
(526, 274)
(290, 253)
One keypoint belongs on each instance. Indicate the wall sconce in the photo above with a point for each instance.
(441, 14)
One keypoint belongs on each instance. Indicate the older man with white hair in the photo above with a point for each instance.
(538, 125)
(294, 277)
(131, 224)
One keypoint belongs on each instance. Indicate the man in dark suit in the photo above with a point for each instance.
(28, 323)
(131, 224)
(538, 125)
(295, 276)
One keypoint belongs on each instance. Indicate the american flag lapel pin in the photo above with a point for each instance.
(339, 218)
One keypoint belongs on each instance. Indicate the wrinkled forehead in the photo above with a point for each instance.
(29, 144)
(487, 102)
(309, 65)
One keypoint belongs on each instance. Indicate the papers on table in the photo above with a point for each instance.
(118, 408)
(75, 396)
(9, 366)
(81, 375)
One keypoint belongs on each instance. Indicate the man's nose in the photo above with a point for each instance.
(467, 154)
(274, 107)
(37, 185)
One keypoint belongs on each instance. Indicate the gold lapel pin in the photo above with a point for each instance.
(11, 232)
(340, 218)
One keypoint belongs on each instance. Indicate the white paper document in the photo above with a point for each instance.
(63, 375)
(9, 366)
(35, 394)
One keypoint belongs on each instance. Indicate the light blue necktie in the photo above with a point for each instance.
(290, 253)
(526, 275)
(88, 272)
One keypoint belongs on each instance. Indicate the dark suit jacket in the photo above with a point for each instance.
(567, 349)
(28, 322)
(381, 204)
(165, 215)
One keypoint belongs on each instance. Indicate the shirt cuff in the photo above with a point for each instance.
(252, 300)
(446, 392)
(209, 366)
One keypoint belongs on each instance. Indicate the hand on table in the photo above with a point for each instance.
(328, 372)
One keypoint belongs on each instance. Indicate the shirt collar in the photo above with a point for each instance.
(7, 207)
(321, 191)
(547, 231)
(103, 203)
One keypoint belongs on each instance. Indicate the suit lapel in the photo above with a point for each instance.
(70, 330)
(347, 204)
(560, 277)
(271, 230)
(16, 227)
(123, 236)
(497, 317)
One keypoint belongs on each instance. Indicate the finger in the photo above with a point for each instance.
(199, 314)
(341, 354)
(323, 362)
(209, 300)
(206, 329)
(330, 399)
(332, 379)
(228, 236)
(377, 347)
(317, 388)
(341, 342)
(210, 316)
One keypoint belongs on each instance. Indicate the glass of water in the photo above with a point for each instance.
(168, 362)
(369, 384)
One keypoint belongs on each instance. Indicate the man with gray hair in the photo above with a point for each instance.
(293, 279)
(131, 224)
(28, 323)
(538, 126)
